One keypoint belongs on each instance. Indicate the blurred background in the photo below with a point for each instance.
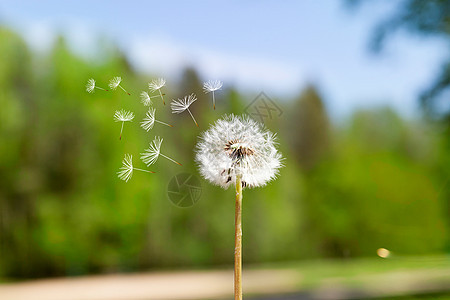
(362, 89)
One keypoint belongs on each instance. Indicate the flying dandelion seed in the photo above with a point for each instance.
(180, 105)
(150, 120)
(123, 116)
(146, 99)
(238, 151)
(150, 156)
(210, 87)
(115, 82)
(126, 171)
(156, 85)
(90, 86)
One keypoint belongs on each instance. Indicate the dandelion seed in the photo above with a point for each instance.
(238, 151)
(126, 171)
(151, 154)
(150, 120)
(212, 86)
(115, 82)
(180, 105)
(156, 85)
(90, 86)
(146, 99)
(123, 116)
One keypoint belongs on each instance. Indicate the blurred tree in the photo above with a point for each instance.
(191, 83)
(309, 129)
(235, 103)
(429, 18)
(18, 173)
(372, 194)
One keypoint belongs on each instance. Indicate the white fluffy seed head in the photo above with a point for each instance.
(126, 171)
(123, 116)
(212, 85)
(90, 86)
(151, 154)
(145, 99)
(156, 84)
(149, 119)
(180, 105)
(238, 146)
(114, 83)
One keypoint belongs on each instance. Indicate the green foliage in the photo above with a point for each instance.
(310, 137)
(376, 182)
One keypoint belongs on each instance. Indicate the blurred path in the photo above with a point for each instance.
(161, 286)
(288, 283)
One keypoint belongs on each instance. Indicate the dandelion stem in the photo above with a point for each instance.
(162, 97)
(192, 117)
(121, 129)
(170, 159)
(124, 89)
(97, 87)
(214, 100)
(163, 123)
(238, 241)
(143, 170)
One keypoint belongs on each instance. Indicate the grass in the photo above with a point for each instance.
(396, 276)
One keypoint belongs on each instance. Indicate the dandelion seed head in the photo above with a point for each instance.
(123, 116)
(114, 83)
(180, 105)
(151, 154)
(212, 85)
(90, 86)
(126, 171)
(238, 146)
(149, 119)
(156, 84)
(145, 99)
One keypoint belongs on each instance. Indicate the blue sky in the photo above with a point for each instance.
(272, 46)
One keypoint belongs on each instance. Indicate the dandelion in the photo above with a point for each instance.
(151, 154)
(180, 105)
(156, 85)
(238, 151)
(146, 99)
(150, 120)
(212, 86)
(126, 171)
(90, 86)
(123, 116)
(115, 82)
